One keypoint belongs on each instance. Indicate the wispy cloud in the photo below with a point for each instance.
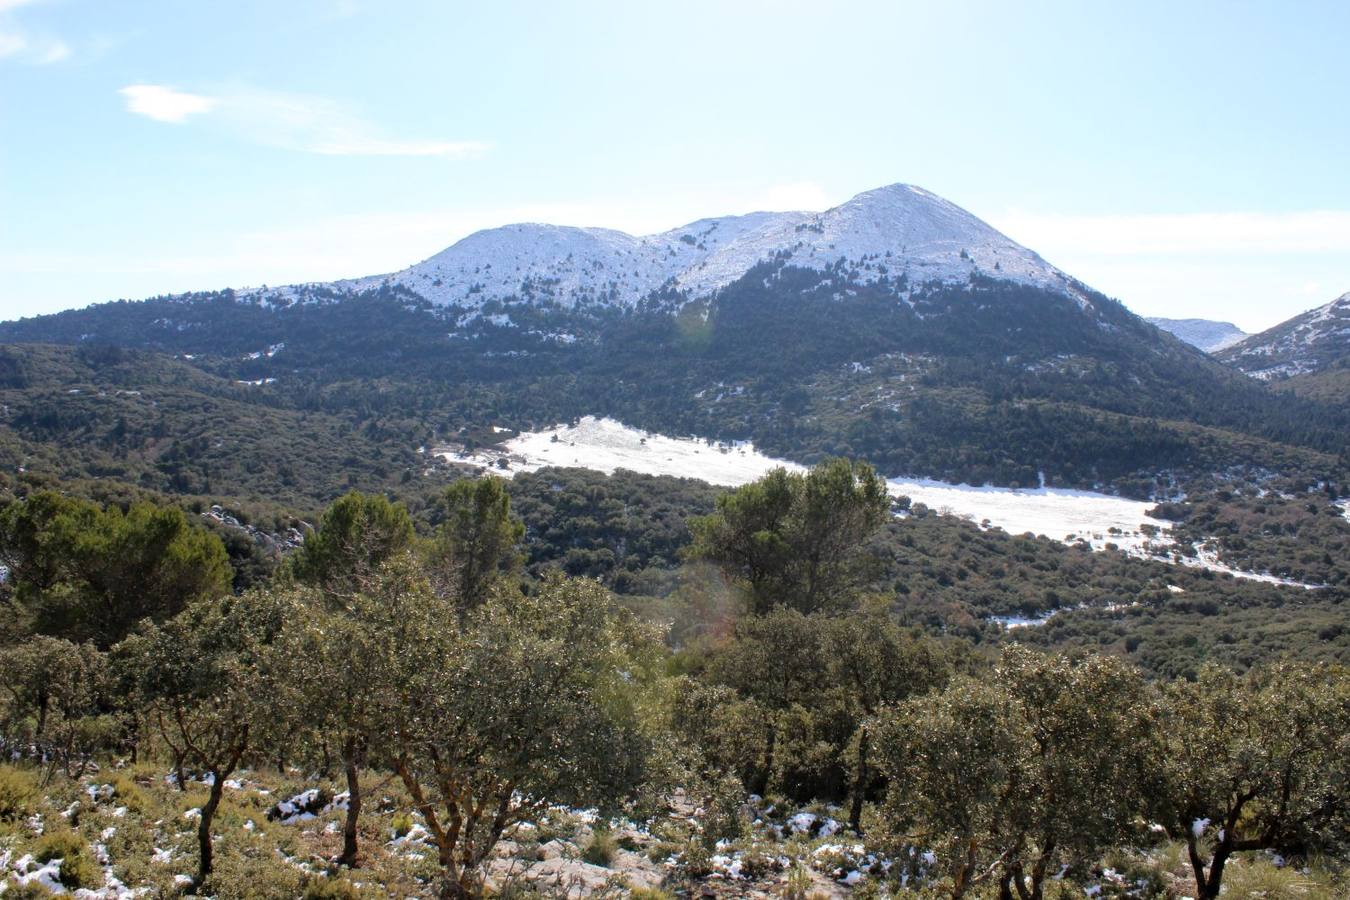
(20, 43)
(163, 103)
(300, 122)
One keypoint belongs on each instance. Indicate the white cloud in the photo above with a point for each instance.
(288, 121)
(164, 104)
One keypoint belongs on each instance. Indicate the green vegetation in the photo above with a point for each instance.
(452, 700)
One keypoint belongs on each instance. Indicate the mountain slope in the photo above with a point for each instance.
(1208, 335)
(899, 231)
(895, 327)
(1315, 341)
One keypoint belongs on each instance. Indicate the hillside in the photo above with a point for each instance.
(1311, 343)
(895, 327)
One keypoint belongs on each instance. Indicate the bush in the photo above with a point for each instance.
(601, 849)
(18, 794)
(319, 888)
(649, 893)
(78, 869)
(402, 823)
(126, 792)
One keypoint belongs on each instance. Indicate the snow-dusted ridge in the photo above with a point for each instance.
(891, 231)
(1306, 343)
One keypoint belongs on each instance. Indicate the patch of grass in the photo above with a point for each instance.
(650, 893)
(18, 793)
(320, 888)
(601, 849)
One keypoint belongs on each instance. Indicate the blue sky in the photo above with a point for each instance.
(1191, 159)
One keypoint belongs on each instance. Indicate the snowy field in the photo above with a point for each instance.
(606, 445)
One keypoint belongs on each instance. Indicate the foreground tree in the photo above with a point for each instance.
(532, 703)
(795, 539)
(1048, 763)
(876, 663)
(360, 536)
(54, 702)
(952, 763)
(206, 680)
(1259, 761)
(784, 704)
(1087, 733)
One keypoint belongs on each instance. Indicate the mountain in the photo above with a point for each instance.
(1208, 335)
(895, 327)
(1313, 342)
(900, 231)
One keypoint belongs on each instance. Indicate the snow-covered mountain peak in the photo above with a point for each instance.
(890, 232)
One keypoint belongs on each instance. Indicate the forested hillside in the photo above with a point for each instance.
(987, 383)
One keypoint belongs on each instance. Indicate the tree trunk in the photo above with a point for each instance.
(205, 856)
(1207, 885)
(1215, 880)
(179, 775)
(859, 784)
(349, 849)
(1039, 869)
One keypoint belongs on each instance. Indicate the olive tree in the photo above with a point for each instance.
(206, 680)
(54, 702)
(532, 702)
(1259, 761)
(1045, 762)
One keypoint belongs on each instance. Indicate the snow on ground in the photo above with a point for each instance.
(606, 445)
(1064, 515)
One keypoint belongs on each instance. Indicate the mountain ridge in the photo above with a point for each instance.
(1306, 344)
(899, 231)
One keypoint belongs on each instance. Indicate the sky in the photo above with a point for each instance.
(1190, 159)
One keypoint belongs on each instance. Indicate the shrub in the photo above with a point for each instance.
(126, 792)
(402, 823)
(601, 849)
(319, 888)
(650, 893)
(18, 794)
(78, 869)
